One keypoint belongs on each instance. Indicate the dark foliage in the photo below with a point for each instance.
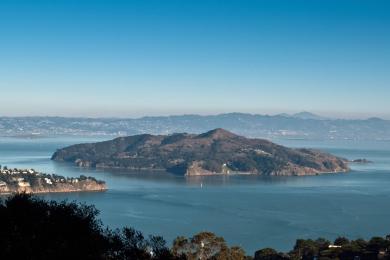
(32, 228)
(269, 254)
(341, 248)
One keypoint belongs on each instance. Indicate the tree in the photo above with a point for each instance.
(266, 254)
(322, 243)
(237, 253)
(205, 245)
(181, 246)
(341, 241)
(31, 228)
(305, 249)
(377, 243)
(128, 244)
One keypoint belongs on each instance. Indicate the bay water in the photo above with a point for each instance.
(250, 211)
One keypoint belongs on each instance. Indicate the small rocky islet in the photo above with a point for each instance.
(361, 161)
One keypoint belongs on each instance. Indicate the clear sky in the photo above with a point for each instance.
(158, 57)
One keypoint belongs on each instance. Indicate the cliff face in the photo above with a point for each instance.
(215, 152)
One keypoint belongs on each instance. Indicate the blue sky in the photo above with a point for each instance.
(134, 58)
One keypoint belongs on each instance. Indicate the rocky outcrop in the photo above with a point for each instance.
(361, 160)
(214, 152)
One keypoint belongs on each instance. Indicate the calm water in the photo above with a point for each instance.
(250, 211)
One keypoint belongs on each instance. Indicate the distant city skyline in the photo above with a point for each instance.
(146, 58)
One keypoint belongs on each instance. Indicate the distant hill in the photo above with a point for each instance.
(303, 115)
(301, 125)
(214, 152)
(308, 115)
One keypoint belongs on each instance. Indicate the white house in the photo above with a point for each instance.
(48, 181)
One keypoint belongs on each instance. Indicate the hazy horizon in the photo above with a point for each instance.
(138, 58)
(324, 115)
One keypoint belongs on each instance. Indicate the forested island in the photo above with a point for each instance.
(211, 153)
(33, 228)
(31, 181)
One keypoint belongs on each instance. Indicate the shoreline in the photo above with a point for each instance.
(271, 175)
(49, 192)
(206, 173)
(34, 182)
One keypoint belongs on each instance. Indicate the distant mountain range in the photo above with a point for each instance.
(302, 125)
(304, 115)
(215, 152)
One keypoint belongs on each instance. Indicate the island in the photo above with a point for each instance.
(212, 153)
(31, 181)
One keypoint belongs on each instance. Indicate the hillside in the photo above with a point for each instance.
(214, 152)
(302, 125)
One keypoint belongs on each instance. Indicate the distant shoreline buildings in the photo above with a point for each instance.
(30, 181)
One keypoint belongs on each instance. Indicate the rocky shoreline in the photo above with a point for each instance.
(216, 152)
(31, 181)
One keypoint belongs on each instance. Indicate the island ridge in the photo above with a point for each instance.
(211, 153)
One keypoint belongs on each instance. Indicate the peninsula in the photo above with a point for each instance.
(211, 153)
(31, 181)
